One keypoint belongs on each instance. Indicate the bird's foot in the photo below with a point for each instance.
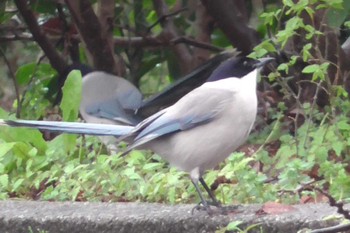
(210, 207)
(215, 208)
(214, 203)
(202, 207)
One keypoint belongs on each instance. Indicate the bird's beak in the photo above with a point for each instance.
(263, 61)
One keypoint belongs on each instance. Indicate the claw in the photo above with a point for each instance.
(221, 210)
(202, 207)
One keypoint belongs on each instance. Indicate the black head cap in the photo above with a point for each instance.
(237, 67)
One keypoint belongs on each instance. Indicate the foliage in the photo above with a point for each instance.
(313, 141)
(235, 226)
(66, 168)
(318, 149)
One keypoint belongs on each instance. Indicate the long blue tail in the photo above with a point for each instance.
(71, 127)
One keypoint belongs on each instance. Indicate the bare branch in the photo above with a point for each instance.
(233, 23)
(333, 202)
(138, 42)
(22, 37)
(163, 17)
(203, 29)
(340, 210)
(159, 41)
(169, 32)
(333, 229)
(106, 16)
(93, 36)
(15, 83)
(197, 44)
(56, 60)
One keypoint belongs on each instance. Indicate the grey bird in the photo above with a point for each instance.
(110, 99)
(195, 134)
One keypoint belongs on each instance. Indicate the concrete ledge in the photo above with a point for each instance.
(87, 217)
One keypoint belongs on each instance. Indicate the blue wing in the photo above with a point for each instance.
(113, 110)
(198, 107)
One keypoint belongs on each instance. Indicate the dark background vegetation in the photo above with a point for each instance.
(298, 151)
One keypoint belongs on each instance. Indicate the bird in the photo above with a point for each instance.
(110, 99)
(194, 134)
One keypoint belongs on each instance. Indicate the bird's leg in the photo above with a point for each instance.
(203, 201)
(211, 195)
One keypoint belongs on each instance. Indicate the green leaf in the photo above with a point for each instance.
(20, 150)
(283, 67)
(172, 194)
(273, 76)
(234, 225)
(260, 52)
(152, 166)
(268, 46)
(284, 154)
(268, 17)
(26, 72)
(306, 52)
(310, 11)
(17, 184)
(131, 174)
(71, 96)
(343, 125)
(311, 69)
(30, 136)
(321, 154)
(336, 17)
(289, 3)
(6, 147)
(4, 180)
(62, 145)
(338, 147)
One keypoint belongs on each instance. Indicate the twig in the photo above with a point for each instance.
(340, 210)
(296, 126)
(234, 23)
(31, 80)
(182, 52)
(313, 82)
(333, 202)
(333, 229)
(312, 108)
(94, 37)
(195, 43)
(22, 37)
(15, 84)
(54, 57)
(151, 41)
(300, 189)
(165, 16)
(147, 41)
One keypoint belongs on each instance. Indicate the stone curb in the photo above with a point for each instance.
(88, 217)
